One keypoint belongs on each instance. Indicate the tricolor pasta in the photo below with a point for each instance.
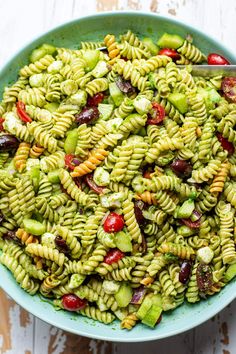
(117, 178)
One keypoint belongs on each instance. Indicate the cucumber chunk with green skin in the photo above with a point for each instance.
(123, 241)
(116, 94)
(50, 49)
(152, 316)
(230, 272)
(185, 231)
(179, 100)
(105, 110)
(173, 41)
(53, 176)
(71, 141)
(91, 57)
(35, 176)
(186, 209)
(145, 307)
(51, 107)
(151, 46)
(37, 54)
(34, 227)
(124, 295)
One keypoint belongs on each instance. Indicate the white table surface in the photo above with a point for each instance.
(20, 22)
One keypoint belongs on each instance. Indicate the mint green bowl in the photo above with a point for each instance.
(70, 35)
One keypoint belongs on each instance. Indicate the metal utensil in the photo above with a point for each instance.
(211, 70)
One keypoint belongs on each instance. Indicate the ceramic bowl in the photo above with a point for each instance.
(69, 35)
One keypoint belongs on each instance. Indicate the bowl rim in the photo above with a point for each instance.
(153, 335)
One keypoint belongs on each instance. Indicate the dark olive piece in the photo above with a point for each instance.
(8, 142)
(88, 115)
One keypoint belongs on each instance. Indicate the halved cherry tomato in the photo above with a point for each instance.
(113, 256)
(147, 174)
(20, 108)
(172, 53)
(1, 124)
(71, 161)
(217, 59)
(114, 223)
(228, 86)
(90, 182)
(72, 302)
(95, 100)
(226, 145)
(157, 115)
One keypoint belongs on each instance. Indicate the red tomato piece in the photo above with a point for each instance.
(228, 86)
(90, 182)
(20, 108)
(72, 302)
(113, 256)
(114, 223)
(157, 115)
(217, 59)
(95, 100)
(226, 145)
(69, 161)
(172, 53)
(147, 174)
(1, 124)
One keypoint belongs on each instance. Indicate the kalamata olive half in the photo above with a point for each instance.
(138, 207)
(204, 277)
(61, 244)
(185, 271)
(181, 167)
(87, 115)
(8, 142)
(228, 86)
(11, 236)
(124, 86)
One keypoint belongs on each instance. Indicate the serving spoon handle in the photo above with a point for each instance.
(211, 70)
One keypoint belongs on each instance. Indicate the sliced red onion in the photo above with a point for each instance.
(195, 216)
(76, 161)
(124, 86)
(191, 224)
(90, 182)
(138, 295)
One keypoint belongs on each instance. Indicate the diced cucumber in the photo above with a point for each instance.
(230, 272)
(123, 241)
(142, 104)
(172, 41)
(152, 316)
(186, 209)
(34, 227)
(124, 295)
(205, 255)
(116, 93)
(35, 176)
(48, 239)
(214, 96)
(50, 49)
(76, 280)
(91, 57)
(101, 177)
(179, 100)
(52, 106)
(145, 306)
(185, 231)
(110, 286)
(151, 46)
(157, 300)
(37, 54)
(100, 69)
(105, 110)
(53, 176)
(71, 141)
